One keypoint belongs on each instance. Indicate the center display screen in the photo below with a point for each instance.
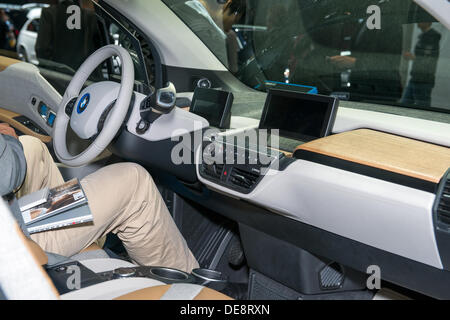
(298, 115)
(214, 106)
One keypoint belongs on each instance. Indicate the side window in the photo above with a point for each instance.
(118, 35)
(33, 26)
(146, 51)
(119, 31)
(55, 48)
(39, 34)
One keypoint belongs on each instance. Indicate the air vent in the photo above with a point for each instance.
(331, 276)
(443, 208)
(243, 179)
(214, 170)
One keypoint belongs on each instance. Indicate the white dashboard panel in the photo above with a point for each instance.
(349, 119)
(178, 46)
(387, 216)
(440, 9)
(175, 124)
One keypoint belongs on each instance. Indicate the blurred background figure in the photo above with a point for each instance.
(374, 56)
(232, 12)
(424, 63)
(213, 22)
(7, 36)
(277, 43)
(58, 44)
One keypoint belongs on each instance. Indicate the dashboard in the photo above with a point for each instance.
(377, 184)
(374, 187)
(377, 178)
(365, 185)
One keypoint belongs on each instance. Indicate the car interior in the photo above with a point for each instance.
(301, 147)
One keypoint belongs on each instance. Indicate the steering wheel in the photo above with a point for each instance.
(98, 112)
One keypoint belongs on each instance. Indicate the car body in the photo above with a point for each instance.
(26, 41)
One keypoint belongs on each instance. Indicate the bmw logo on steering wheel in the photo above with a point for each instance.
(83, 104)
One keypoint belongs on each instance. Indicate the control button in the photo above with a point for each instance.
(43, 110)
(61, 269)
(204, 83)
(142, 126)
(51, 119)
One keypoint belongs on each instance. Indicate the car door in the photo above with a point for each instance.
(27, 40)
(30, 93)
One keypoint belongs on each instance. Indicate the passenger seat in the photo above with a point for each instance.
(23, 277)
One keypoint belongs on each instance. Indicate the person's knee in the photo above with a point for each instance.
(134, 169)
(129, 182)
(30, 142)
(33, 148)
(135, 176)
(140, 170)
(140, 180)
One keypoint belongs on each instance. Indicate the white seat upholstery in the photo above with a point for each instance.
(103, 265)
(111, 289)
(22, 276)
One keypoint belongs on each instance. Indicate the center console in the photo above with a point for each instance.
(239, 167)
(239, 161)
(62, 276)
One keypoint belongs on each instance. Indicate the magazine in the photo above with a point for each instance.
(73, 217)
(61, 199)
(33, 200)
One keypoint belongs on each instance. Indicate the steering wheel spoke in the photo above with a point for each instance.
(70, 106)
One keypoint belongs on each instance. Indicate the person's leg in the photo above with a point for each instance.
(408, 97)
(41, 169)
(423, 94)
(124, 200)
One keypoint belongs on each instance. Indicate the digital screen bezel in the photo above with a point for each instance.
(226, 100)
(329, 119)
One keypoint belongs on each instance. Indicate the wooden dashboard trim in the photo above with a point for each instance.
(5, 62)
(400, 155)
(8, 117)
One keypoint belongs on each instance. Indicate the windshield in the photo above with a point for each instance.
(382, 52)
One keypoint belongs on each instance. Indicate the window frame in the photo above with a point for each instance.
(114, 15)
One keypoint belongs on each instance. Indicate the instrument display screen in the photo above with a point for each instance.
(299, 115)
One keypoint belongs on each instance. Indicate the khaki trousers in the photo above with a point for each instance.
(124, 200)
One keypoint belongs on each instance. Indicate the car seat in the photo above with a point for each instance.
(23, 277)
